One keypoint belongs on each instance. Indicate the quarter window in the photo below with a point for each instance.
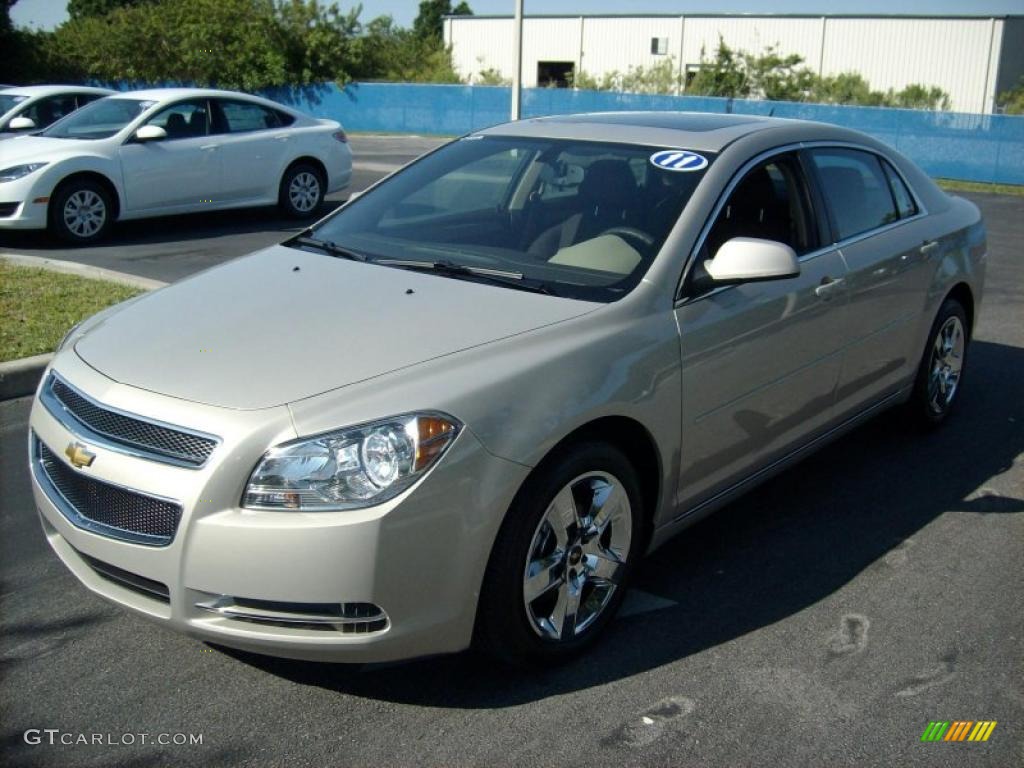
(857, 190)
(904, 200)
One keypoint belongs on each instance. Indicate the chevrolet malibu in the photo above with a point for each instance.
(460, 409)
(168, 151)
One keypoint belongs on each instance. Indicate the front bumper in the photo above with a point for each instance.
(27, 214)
(419, 558)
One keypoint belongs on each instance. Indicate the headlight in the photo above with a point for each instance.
(351, 468)
(17, 171)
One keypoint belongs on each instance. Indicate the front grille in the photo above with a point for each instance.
(127, 579)
(132, 432)
(8, 209)
(109, 509)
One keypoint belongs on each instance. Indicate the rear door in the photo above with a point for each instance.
(254, 144)
(760, 361)
(878, 226)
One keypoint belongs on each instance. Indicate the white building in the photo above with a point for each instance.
(971, 58)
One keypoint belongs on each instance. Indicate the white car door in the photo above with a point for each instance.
(182, 172)
(254, 145)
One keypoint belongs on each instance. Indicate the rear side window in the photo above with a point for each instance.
(243, 116)
(904, 200)
(857, 189)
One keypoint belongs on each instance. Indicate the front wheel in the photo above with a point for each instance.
(560, 565)
(80, 212)
(940, 375)
(302, 191)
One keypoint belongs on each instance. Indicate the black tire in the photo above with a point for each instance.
(80, 212)
(292, 202)
(932, 401)
(504, 628)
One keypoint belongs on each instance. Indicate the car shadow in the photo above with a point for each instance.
(173, 229)
(776, 551)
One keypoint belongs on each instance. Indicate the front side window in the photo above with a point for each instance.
(583, 219)
(771, 203)
(99, 120)
(185, 120)
(49, 110)
(856, 190)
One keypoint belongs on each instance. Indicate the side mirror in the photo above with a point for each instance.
(150, 133)
(750, 259)
(21, 124)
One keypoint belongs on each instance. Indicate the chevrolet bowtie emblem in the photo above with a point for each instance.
(79, 455)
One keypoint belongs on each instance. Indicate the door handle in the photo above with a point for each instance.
(828, 286)
(929, 247)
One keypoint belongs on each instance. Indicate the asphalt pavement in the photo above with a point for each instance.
(823, 620)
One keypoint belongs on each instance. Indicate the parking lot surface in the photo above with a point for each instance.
(824, 619)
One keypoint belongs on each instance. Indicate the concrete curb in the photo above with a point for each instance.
(21, 377)
(82, 270)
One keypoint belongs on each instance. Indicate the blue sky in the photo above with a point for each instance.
(48, 13)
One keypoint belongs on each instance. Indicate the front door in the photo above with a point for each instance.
(760, 361)
(179, 173)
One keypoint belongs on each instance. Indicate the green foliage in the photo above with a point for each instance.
(429, 22)
(769, 75)
(80, 9)
(1012, 101)
(490, 76)
(388, 52)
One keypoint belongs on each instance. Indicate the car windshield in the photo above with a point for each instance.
(9, 101)
(574, 218)
(99, 120)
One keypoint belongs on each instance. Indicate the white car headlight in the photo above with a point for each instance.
(17, 171)
(352, 468)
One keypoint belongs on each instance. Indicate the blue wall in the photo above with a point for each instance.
(950, 145)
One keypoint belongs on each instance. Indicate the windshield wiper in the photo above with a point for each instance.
(503, 277)
(327, 246)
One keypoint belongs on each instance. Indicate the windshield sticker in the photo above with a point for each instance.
(679, 160)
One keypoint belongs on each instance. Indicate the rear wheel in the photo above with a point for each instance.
(940, 375)
(80, 211)
(302, 191)
(559, 568)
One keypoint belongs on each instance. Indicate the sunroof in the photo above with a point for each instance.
(679, 121)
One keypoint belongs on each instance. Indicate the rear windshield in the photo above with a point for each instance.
(585, 219)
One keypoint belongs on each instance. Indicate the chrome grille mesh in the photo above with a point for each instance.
(136, 433)
(110, 509)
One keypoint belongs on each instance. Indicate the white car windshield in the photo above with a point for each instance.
(99, 120)
(574, 218)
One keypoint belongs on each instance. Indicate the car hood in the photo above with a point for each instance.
(22, 148)
(285, 324)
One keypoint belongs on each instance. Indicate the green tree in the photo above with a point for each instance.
(429, 22)
(1012, 101)
(388, 52)
(80, 9)
(917, 96)
(724, 75)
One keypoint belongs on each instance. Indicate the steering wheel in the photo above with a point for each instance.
(631, 233)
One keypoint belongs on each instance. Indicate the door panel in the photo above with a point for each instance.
(760, 365)
(181, 172)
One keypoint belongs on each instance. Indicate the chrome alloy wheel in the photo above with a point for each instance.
(85, 213)
(946, 363)
(304, 191)
(577, 557)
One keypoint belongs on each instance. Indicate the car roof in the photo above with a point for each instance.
(708, 132)
(169, 94)
(47, 90)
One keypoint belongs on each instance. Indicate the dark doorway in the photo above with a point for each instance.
(555, 74)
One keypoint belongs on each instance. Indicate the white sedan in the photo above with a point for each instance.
(168, 151)
(34, 107)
